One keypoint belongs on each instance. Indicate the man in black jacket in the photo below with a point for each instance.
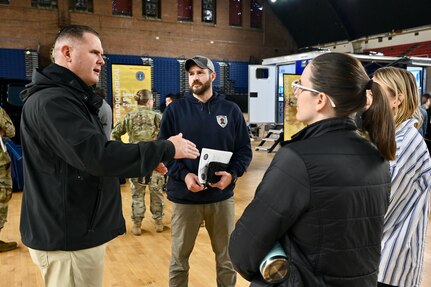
(71, 204)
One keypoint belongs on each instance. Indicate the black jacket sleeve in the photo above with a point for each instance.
(280, 199)
(67, 128)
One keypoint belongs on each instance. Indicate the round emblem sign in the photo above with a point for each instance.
(140, 76)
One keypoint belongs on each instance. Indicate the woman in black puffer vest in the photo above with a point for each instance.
(326, 192)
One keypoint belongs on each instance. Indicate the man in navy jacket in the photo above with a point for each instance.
(212, 122)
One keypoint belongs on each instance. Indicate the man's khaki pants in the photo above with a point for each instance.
(185, 224)
(71, 268)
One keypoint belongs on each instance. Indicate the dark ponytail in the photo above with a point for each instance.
(344, 79)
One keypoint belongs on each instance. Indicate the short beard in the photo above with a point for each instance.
(202, 89)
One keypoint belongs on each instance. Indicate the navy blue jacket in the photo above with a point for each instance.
(216, 124)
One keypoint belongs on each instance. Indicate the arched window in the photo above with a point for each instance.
(81, 5)
(256, 9)
(235, 12)
(151, 9)
(185, 10)
(44, 3)
(209, 11)
(122, 7)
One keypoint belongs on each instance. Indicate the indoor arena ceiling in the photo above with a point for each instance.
(314, 22)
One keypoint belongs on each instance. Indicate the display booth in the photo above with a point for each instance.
(270, 95)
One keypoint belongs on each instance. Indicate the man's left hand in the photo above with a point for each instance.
(225, 180)
(161, 168)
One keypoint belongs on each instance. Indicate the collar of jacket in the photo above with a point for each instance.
(214, 98)
(55, 75)
(322, 127)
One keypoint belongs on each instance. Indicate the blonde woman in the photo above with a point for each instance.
(407, 216)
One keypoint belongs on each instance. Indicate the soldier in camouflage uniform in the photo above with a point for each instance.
(143, 124)
(6, 129)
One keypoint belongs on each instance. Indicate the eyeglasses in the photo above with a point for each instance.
(297, 86)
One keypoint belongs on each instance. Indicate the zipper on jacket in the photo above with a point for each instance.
(96, 208)
(205, 104)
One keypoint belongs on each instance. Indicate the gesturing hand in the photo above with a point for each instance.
(183, 148)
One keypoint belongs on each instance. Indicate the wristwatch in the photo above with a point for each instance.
(234, 178)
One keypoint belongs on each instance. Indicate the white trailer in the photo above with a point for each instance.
(266, 82)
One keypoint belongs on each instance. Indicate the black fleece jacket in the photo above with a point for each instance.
(71, 198)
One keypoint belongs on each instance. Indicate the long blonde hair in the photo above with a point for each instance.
(401, 84)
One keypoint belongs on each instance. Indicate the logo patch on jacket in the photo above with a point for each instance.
(222, 121)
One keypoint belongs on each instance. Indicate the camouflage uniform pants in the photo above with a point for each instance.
(5, 192)
(156, 197)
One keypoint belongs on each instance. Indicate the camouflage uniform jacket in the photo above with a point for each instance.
(142, 124)
(9, 131)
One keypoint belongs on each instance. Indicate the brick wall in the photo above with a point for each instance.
(26, 27)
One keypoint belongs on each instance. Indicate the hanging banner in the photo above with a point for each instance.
(126, 81)
(291, 124)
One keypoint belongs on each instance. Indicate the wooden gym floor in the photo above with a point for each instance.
(134, 261)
